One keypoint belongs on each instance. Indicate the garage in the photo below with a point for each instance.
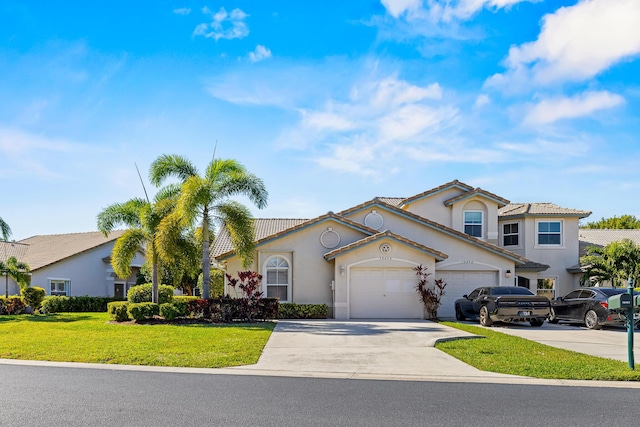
(460, 283)
(384, 293)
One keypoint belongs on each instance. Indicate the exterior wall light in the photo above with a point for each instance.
(507, 274)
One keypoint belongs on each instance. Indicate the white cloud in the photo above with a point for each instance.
(182, 11)
(553, 109)
(576, 43)
(260, 53)
(481, 101)
(446, 11)
(223, 25)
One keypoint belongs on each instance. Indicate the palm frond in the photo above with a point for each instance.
(5, 230)
(171, 165)
(127, 213)
(237, 220)
(125, 249)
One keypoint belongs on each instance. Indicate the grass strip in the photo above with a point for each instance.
(507, 354)
(89, 337)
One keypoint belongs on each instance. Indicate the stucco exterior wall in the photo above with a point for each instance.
(433, 207)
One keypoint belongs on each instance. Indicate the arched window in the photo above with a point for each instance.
(277, 274)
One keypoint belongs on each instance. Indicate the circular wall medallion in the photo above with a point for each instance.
(385, 248)
(374, 220)
(329, 238)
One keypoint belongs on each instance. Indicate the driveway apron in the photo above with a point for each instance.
(370, 348)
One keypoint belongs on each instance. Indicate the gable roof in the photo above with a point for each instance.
(439, 256)
(602, 237)
(439, 227)
(521, 210)
(45, 250)
(453, 184)
(12, 249)
(477, 192)
(224, 248)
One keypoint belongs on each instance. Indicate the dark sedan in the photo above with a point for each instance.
(587, 306)
(491, 304)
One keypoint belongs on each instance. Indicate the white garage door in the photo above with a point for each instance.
(460, 283)
(384, 293)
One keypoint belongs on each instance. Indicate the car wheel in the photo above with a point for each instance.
(485, 320)
(459, 315)
(552, 317)
(536, 322)
(591, 320)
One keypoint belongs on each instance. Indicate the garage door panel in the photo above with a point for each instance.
(461, 283)
(384, 293)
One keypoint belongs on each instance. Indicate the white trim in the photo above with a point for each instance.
(536, 245)
(67, 288)
(482, 221)
(519, 234)
(489, 268)
(289, 274)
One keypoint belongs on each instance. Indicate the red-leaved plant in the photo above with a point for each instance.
(248, 282)
(430, 296)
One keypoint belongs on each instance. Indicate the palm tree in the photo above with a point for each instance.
(143, 218)
(614, 263)
(18, 271)
(205, 200)
(5, 230)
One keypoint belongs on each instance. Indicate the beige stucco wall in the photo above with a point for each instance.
(433, 207)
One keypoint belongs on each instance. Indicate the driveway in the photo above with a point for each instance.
(609, 342)
(359, 349)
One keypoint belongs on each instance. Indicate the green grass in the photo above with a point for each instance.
(506, 354)
(88, 337)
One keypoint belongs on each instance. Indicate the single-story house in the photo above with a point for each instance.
(75, 264)
(361, 261)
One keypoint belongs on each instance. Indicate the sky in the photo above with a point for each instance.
(330, 103)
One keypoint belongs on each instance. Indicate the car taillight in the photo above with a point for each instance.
(604, 304)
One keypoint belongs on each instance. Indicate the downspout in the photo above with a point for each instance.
(333, 298)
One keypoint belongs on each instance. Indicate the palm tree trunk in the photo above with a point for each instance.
(154, 274)
(206, 261)
(6, 285)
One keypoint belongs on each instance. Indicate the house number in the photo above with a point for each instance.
(385, 258)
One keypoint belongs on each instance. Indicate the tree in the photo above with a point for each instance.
(143, 218)
(614, 263)
(205, 200)
(5, 230)
(624, 222)
(17, 270)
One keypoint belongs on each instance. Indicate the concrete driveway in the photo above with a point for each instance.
(609, 342)
(363, 349)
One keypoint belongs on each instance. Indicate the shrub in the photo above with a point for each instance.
(142, 293)
(118, 311)
(143, 310)
(303, 311)
(233, 309)
(169, 311)
(33, 296)
(12, 305)
(81, 304)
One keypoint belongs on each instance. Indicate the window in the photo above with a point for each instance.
(473, 223)
(510, 234)
(549, 233)
(277, 269)
(59, 287)
(547, 287)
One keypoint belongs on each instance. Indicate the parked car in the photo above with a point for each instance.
(491, 304)
(587, 306)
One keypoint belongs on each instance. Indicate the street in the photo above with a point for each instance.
(55, 396)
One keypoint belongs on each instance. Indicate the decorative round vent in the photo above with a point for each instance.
(329, 238)
(385, 248)
(374, 220)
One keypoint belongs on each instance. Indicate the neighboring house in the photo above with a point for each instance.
(76, 264)
(360, 262)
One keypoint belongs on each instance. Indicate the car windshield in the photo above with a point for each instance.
(511, 290)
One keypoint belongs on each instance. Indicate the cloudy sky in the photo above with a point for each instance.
(331, 103)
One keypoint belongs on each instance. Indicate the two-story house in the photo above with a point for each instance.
(361, 261)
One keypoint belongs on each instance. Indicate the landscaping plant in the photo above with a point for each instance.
(431, 296)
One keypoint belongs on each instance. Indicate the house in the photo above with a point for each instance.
(76, 264)
(360, 262)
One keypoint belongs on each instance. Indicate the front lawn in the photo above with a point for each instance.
(88, 337)
(506, 354)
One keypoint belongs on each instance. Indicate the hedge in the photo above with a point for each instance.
(33, 296)
(81, 304)
(228, 309)
(12, 305)
(302, 311)
(118, 311)
(143, 310)
(142, 293)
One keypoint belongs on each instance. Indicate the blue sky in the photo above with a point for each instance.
(331, 103)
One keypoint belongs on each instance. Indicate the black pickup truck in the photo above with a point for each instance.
(503, 304)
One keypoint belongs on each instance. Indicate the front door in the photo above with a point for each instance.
(118, 291)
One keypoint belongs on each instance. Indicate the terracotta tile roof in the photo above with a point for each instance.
(513, 210)
(602, 237)
(455, 183)
(220, 251)
(48, 249)
(264, 227)
(12, 249)
(477, 192)
(532, 266)
(439, 256)
(395, 201)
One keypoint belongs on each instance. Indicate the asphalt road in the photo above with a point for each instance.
(52, 396)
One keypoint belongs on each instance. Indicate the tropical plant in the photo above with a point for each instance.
(205, 200)
(17, 270)
(430, 296)
(623, 222)
(143, 218)
(614, 263)
(5, 230)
